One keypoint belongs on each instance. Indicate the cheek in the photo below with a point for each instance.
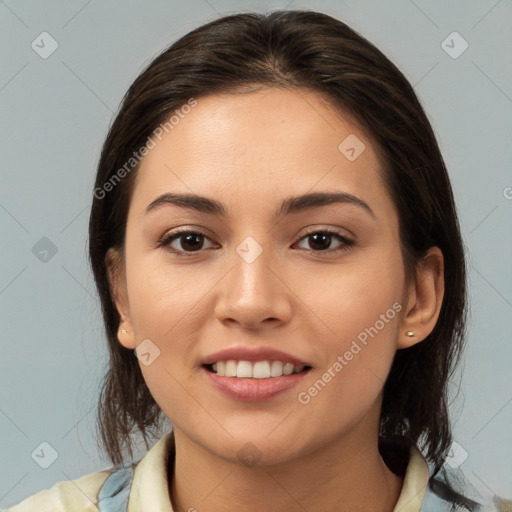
(166, 385)
(164, 303)
(163, 295)
(356, 365)
(352, 297)
(359, 311)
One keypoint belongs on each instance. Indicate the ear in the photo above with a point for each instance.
(119, 293)
(424, 301)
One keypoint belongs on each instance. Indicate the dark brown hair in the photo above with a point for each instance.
(308, 50)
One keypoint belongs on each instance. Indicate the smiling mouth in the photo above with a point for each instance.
(256, 370)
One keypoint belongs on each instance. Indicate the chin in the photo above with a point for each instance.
(257, 447)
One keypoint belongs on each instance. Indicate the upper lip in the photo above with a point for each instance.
(253, 354)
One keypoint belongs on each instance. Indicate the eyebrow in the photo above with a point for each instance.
(289, 205)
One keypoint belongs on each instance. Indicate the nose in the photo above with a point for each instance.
(254, 295)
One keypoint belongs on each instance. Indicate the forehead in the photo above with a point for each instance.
(261, 144)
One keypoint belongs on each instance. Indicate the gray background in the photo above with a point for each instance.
(54, 116)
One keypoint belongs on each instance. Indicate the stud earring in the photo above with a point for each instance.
(124, 331)
(409, 333)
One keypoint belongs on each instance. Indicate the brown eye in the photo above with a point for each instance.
(191, 241)
(184, 242)
(321, 240)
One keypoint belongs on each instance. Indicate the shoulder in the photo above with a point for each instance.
(108, 490)
(451, 490)
(448, 490)
(77, 495)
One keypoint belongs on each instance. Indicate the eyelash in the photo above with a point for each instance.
(170, 237)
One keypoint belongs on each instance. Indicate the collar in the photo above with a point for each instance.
(415, 483)
(149, 490)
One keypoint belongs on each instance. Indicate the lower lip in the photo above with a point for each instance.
(253, 390)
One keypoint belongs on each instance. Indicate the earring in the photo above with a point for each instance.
(409, 333)
(124, 331)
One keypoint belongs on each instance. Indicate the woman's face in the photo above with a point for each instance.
(257, 273)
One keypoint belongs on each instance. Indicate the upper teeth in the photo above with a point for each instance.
(257, 370)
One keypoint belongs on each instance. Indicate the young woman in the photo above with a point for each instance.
(276, 247)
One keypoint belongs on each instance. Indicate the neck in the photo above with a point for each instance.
(344, 475)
